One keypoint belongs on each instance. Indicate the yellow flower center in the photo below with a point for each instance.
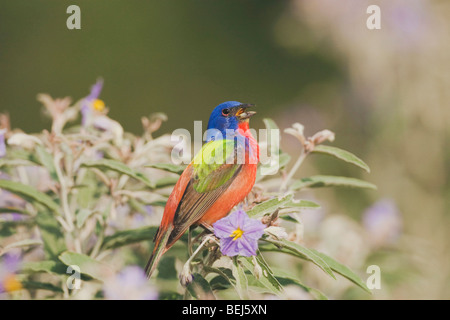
(98, 105)
(11, 283)
(236, 234)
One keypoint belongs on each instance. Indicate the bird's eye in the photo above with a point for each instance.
(225, 112)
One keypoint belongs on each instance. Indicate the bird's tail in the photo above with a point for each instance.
(160, 247)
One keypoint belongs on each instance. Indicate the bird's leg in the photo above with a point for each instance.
(186, 275)
(190, 240)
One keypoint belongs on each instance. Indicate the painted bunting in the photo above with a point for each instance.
(219, 177)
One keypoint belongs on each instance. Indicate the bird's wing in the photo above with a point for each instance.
(214, 169)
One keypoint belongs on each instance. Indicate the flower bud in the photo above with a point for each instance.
(257, 270)
(186, 276)
(296, 131)
(322, 136)
(276, 232)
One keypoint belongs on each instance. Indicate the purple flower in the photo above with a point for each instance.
(96, 89)
(9, 264)
(410, 22)
(383, 222)
(149, 209)
(2, 143)
(10, 200)
(87, 103)
(99, 155)
(130, 284)
(238, 234)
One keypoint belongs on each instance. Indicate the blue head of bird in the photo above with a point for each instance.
(228, 117)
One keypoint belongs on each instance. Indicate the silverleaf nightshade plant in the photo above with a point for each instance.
(88, 194)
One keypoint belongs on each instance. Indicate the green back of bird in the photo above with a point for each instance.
(214, 165)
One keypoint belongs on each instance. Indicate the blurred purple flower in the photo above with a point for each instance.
(14, 216)
(12, 201)
(2, 143)
(138, 219)
(238, 234)
(409, 21)
(130, 284)
(99, 155)
(10, 262)
(96, 89)
(9, 265)
(86, 104)
(383, 222)
(149, 210)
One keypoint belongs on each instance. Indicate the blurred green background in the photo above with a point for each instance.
(179, 57)
(383, 92)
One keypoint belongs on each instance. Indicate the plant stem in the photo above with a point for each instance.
(293, 170)
(190, 241)
(64, 192)
(98, 244)
(207, 238)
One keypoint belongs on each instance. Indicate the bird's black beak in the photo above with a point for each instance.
(242, 112)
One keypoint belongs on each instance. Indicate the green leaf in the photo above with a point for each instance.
(35, 285)
(51, 234)
(199, 288)
(8, 228)
(342, 270)
(47, 266)
(283, 160)
(227, 275)
(169, 167)
(270, 124)
(88, 266)
(224, 274)
(343, 155)
(269, 206)
(20, 244)
(158, 204)
(125, 237)
(15, 163)
(89, 190)
(302, 252)
(302, 204)
(166, 268)
(170, 295)
(22, 154)
(267, 278)
(241, 285)
(47, 161)
(82, 215)
(289, 218)
(29, 193)
(288, 279)
(120, 168)
(328, 181)
(166, 182)
(14, 210)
